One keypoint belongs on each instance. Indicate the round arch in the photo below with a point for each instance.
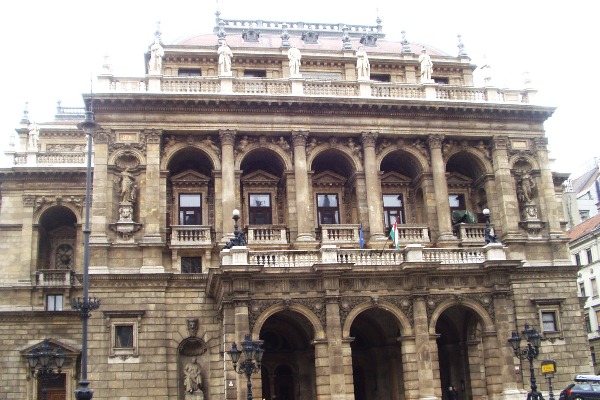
(422, 161)
(300, 309)
(345, 151)
(177, 147)
(406, 328)
(475, 307)
(523, 158)
(112, 160)
(77, 212)
(284, 156)
(480, 159)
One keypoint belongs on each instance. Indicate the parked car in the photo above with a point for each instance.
(584, 387)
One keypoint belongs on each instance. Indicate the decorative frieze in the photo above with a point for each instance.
(41, 201)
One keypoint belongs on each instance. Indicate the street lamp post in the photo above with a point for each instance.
(238, 237)
(252, 357)
(489, 238)
(86, 304)
(46, 363)
(529, 352)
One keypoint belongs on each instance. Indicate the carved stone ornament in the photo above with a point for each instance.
(368, 139)
(299, 138)
(115, 143)
(435, 141)
(28, 201)
(127, 160)
(227, 137)
(192, 326)
(41, 201)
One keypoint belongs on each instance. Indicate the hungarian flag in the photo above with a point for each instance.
(394, 234)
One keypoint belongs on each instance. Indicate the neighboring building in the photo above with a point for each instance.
(581, 196)
(313, 152)
(585, 252)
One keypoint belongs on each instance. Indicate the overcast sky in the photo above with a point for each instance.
(51, 48)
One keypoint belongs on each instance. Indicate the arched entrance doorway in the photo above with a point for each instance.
(460, 353)
(289, 357)
(376, 356)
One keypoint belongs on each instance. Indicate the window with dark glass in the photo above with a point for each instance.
(594, 287)
(381, 77)
(582, 289)
(191, 265)
(393, 209)
(54, 302)
(124, 336)
(260, 209)
(190, 209)
(588, 252)
(255, 73)
(189, 72)
(327, 209)
(549, 321)
(588, 324)
(593, 352)
(442, 80)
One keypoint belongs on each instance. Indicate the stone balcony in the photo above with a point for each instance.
(54, 277)
(309, 87)
(472, 234)
(267, 235)
(191, 236)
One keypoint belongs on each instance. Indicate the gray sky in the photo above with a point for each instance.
(51, 48)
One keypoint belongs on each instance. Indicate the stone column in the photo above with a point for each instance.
(546, 189)
(227, 180)
(423, 348)
(504, 357)
(503, 207)
(306, 236)
(441, 191)
(374, 197)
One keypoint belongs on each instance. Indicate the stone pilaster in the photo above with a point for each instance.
(337, 363)
(102, 203)
(423, 348)
(374, 198)
(242, 328)
(546, 189)
(28, 241)
(441, 191)
(492, 354)
(304, 215)
(410, 368)
(504, 208)
(504, 358)
(152, 189)
(227, 180)
(322, 370)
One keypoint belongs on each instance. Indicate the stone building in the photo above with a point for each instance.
(275, 120)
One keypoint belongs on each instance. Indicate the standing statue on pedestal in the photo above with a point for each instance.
(363, 68)
(225, 56)
(426, 67)
(192, 378)
(294, 56)
(34, 137)
(156, 55)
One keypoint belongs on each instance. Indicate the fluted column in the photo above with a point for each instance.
(503, 206)
(441, 190)
(227, 180)
(374, 198)
(303, 213)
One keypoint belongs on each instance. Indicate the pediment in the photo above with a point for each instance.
(54, 343)
(394, 178)
(189, 177)
(260, 177)
(328, 178)
(456, 179)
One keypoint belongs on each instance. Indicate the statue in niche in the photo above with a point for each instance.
(363, 67)
(426, 66)
(128, 187)
(525, 188)
(192, 377)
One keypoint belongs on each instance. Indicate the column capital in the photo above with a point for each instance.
(369, 139)
(101, 137)
(541, 143)
(152, 135)
(227, 136)
(500, 142)
(299, 138)
(435, 141)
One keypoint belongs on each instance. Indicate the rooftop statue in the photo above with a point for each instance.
(225, 56)
(156, 55)
(363, 68)
(426, 67)
(294, 56)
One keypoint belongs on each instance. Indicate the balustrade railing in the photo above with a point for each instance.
(472, 233)
(190, 235)
(331, 88)
(285, 258)
(54, 277)
(339, 234)
(454, 256)
(413, 234)
(266, 234)
(370, 257)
